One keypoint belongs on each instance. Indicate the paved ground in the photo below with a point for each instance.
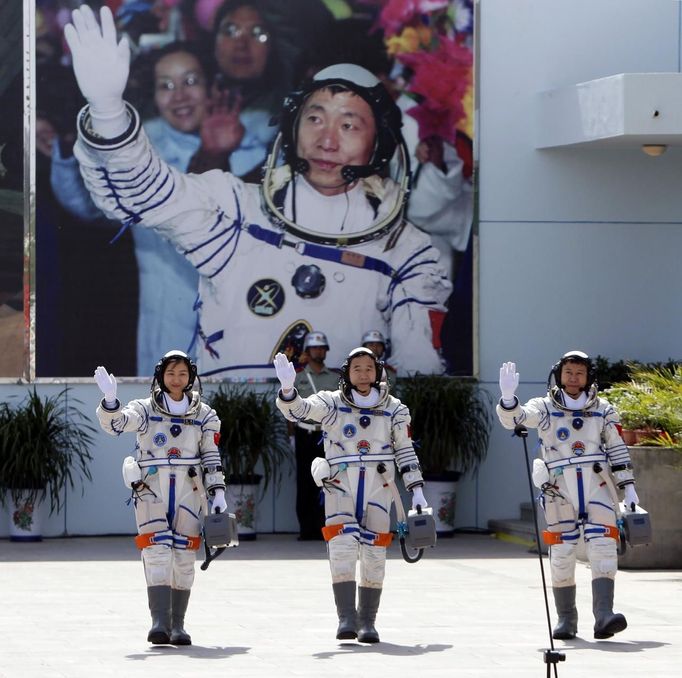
(472, 607)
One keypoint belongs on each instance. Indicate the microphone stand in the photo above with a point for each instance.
(551, 657)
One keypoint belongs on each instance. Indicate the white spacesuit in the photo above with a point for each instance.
(176, 469)
(364, 441)
(581, 453)
(279, 259)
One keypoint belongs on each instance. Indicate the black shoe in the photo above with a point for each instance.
(608, 628)
(180, 637)
(158, 637)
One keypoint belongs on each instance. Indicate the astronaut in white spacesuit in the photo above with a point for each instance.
(323, 231)
(366, 434)
(582, 452)
(176, 470)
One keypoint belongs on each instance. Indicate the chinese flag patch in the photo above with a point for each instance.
(216, 438)
(409, 430)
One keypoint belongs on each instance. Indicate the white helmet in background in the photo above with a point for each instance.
(313, 339)
(373, 336)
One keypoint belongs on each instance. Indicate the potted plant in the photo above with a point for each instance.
(253, 446)
(44, 446)
(451, 423)
(651, 404)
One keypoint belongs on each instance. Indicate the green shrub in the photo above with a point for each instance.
(44, 445)
(451, 421)
(253, 434)
(651, 399)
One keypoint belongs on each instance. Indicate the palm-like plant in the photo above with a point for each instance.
(451, 421)
(44, 446)
(253, 434)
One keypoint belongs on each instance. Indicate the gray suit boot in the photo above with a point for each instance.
(606, 621)
(368, 604)
(178, 636)
(344, 596)
(567, 625)
(160, 607)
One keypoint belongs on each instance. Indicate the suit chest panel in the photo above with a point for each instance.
(363, 432)
(171, 437)
(573, 434)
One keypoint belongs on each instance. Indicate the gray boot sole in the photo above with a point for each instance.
(346, 634)
(177, 638)
(563, 635)
(617, 624)
(368, 636)
(158, 637)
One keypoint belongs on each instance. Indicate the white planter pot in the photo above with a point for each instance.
(241, 500)
(25, 517)
(441, 496)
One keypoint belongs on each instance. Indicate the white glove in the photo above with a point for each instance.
(320, 470)
(509, 381)
(132, 473)
(218, 503)
(540, 473)
(631, 498)
(418, 498)
(100, 64)
(107, 384)
(285, 372)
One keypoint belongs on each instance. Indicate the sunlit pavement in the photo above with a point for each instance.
(473, 606)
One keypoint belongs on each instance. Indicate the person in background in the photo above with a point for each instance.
(582, 458)
(250, 78)
(176, 470)
(375, 341)
(314, 377)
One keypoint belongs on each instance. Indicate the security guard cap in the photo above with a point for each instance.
(313, 339)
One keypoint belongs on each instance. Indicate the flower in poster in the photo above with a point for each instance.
(411, 39)
(396, 13)
(440, 80)
(463, 16)
(430, 39)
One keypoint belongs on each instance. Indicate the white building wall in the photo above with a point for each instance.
(579, 247)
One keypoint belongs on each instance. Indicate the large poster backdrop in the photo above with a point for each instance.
(207, 77)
